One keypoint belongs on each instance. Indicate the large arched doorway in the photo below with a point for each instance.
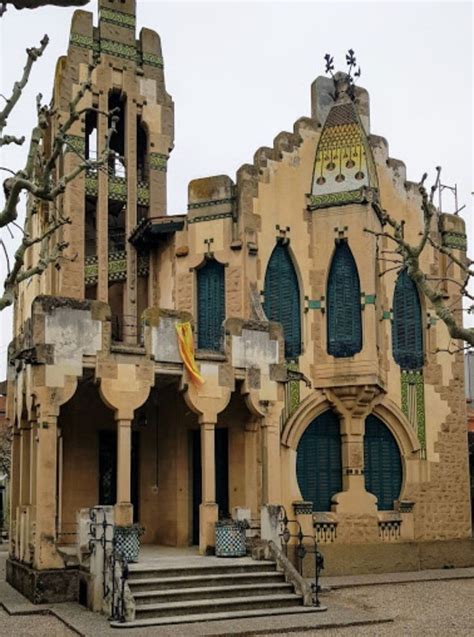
(318, 461)
(383, 464)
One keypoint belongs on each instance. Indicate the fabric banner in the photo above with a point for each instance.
(186, 350)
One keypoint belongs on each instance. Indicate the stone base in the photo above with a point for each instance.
(359, 559)
(43, 587)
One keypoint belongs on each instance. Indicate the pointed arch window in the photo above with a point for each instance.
(344, 320)
(383, 465)
(211, 305)
(407, 330)
(318, 461)
(282, 298)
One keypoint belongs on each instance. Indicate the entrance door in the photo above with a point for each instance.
(108, 470)
(222, 475)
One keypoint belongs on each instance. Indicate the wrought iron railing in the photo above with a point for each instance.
(301, 550)
(114, 566)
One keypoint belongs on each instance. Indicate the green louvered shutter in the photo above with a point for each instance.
(282, 298)
(407, 331)
(344, 320)
(211, 305)
(318, 461)
(383, 465)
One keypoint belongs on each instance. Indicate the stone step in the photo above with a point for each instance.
(138, 571)
(222, 615)
(227, 604)
(206, 592)
(226, 579)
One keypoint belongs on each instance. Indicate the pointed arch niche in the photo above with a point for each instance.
(210, 304)
(344, 319)
(282, 298)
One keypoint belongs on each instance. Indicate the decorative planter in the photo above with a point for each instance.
(127, 541)
(230, 538)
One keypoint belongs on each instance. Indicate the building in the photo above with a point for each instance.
(5, 445)
(322, 391)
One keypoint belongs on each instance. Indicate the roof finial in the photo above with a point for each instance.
(343, 82)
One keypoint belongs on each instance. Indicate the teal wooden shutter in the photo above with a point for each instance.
(282, 298)
(383, 465)
(318, 461)
(407, 330)
(344, 320)
(211, 304)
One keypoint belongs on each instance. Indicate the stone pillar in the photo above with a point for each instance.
(102, 215)
(25, 465)
(271, 470)
(251, 471)
(124, 507)
(15, 493)
(208, 509)
(45, 555)
(130, 333)
(354, 498)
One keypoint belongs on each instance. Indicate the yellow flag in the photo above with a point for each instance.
(186, 350)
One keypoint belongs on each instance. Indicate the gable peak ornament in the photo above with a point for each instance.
(344, 83)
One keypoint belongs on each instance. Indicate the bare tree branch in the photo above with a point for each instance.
(410, 255)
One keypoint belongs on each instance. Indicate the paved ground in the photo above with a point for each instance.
(419, 609)
(407, 604)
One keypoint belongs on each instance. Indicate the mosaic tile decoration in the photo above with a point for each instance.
(152, 60)
(455, 240)
(143, 193)
(213, 202)
(360, 195)
(84, 41)
(293, 388)
(92, 187)
(91, 270)
(118, 188)
(75, 144)
(158, 161)
(413, 403)
(222, 215)
(119, 18)
(118, 266)
(230, 539)
(344, 164)
(125, 51)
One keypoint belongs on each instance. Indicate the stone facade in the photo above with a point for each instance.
(105, 411)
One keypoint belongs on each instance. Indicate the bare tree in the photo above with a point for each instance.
(40, 180)
(407, 255)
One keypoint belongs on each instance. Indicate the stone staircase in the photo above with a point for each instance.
(209, 589)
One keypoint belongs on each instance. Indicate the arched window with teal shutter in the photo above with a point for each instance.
(318, 461)
(407, 329)
(383, 465)
(211, 305)
(282, 298)
(344, 320)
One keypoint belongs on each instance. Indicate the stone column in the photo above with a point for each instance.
(102, 212)
(124, 507)
(15, 494)
(251, 472)
(271, 470)
(45, 555)
(130, 333)
(208, 509)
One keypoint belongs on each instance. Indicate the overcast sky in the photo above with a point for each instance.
(240, 72)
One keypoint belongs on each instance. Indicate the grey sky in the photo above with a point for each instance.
(240, 72)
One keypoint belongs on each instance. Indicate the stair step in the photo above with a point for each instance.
(213, 592)
(215, 605)
(141, 571)
(226, 579)
(206, 617)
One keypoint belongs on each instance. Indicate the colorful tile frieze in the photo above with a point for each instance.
(75, 144)
(413, 403)
(158, 161)
(455, 240)
(111, 47)
(118, 18)
(222, 215)
(293, 389)
(206, 204)
(118, 266)
(91, 185)
(336, 199)
(143, 193)
(91, 270)
(83, 41)
(152, 60)
(118, 188)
